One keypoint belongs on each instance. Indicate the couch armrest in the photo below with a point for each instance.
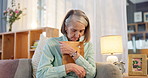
(18, 68)
(24, 69)
(105, 70)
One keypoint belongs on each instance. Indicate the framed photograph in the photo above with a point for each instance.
(137, 64)
(145, 17)
(137, 16)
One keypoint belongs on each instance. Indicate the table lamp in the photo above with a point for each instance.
(111, 44)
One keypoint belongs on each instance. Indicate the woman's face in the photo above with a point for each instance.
(75, 30)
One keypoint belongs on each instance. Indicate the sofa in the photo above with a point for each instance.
(22, 68)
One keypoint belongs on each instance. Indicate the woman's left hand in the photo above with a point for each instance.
(65, 48)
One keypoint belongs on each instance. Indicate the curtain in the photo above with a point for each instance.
(3, 6)
(111, 20)
(107, 17)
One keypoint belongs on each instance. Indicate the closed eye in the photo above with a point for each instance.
(81, 30)
(73, 30)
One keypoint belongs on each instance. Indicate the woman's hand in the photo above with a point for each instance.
(65, 48)
(79, 71)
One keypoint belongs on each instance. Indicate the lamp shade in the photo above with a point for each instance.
(111, 44)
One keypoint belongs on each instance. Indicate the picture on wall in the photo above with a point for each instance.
(145, 16)
(137, 16)
(137, 64)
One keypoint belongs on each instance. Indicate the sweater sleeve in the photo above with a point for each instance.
(45, 67)
(88, 61)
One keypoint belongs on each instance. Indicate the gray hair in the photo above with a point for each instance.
(78, 16)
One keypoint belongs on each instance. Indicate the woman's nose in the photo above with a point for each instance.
(77, 34)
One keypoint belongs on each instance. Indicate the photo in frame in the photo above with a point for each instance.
(137, 64)
(137, 16)
(145, 16)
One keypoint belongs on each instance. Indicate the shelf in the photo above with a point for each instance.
(32, 50)
(0, 43)
(34, 35)
(8, 46)
(16, 45)
(141, 27)
(139, 30)
(22, 45)
(138, 51)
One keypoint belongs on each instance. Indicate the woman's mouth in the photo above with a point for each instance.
(74, 39)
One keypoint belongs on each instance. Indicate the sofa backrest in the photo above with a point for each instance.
(22, 68)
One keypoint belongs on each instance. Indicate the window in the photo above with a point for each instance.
(41, 13)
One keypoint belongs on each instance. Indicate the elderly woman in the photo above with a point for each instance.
(75, 27)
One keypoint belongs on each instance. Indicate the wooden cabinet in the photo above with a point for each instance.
(0, 46)
(138, 31)
(16, 45)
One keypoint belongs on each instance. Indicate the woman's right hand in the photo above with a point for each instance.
(79, 70)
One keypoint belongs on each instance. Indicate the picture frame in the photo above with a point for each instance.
(137, 64)
(145, 16)
(137, 16)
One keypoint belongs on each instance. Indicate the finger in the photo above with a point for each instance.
(61, 42)
(61, 46)
(80, 73)
(83, 74)
(77, 72)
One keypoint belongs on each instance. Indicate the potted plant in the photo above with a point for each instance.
(11, 15)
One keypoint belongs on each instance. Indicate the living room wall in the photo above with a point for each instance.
(131, 8)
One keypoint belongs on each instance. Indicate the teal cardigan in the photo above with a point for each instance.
(50, 65)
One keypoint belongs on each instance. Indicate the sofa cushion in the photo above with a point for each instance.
(38, 53)
(24, 69)
(8, 68)
(15, 68)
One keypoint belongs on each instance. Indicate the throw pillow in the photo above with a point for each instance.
(38, 53)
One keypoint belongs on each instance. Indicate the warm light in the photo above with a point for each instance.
(111, 44)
